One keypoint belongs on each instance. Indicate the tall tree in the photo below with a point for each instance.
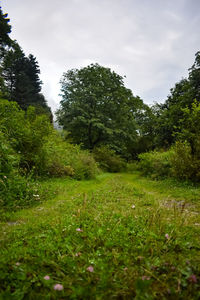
(97, 108)
(19, 75)
(170, 115)
(5, 42)
(21, 79)
(5, 29)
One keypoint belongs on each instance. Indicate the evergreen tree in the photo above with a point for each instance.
(5, 29)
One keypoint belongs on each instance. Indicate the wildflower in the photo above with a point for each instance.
(125, 269)
(133, 206)
(90, 269)
(167, 236)
(5, 176)
(145, 277)
(36, 196)
(79, 230)
(78, 254)
(17, 264)
(58, 287)
(192, 278)
(47, 277)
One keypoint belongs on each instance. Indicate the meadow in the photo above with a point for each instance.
(119, 236)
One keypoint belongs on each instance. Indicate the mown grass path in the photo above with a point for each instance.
(121, 236)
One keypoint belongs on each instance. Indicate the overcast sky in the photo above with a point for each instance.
(152, 42)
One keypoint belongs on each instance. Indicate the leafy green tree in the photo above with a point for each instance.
(190, 127)
(194, 77)
(97, 109)
(170, 117)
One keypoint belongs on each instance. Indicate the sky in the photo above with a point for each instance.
(151, 42)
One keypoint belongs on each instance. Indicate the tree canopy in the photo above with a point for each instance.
(97, 108)
(171, 117)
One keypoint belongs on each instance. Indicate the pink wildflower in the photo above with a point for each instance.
(17, 264)
(58, 287)
(78, 254)
(145, 277)
(167, 236)
(47, 277)
(79, 230)
(90, 269)
(193, 278)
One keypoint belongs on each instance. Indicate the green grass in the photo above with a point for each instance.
(127, 247)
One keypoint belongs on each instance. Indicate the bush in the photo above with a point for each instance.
(185, 165)
(60, 158)
(85, 166)
(155, 163)
(25, 131)
(16, 191)
(132, 166)
(30, 146)
(108, 159)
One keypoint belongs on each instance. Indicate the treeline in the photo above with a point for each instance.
(101, 113)
(176, 131)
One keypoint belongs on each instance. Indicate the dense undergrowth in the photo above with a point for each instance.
(29, 149)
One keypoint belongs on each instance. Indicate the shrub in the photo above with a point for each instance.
(155, 163)
(16, 191)
(60, 158)
(132, 166)
(25, 131)
(185, 165)
(84, 166)
(108, 159)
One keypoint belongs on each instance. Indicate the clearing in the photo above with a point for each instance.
(120, 236)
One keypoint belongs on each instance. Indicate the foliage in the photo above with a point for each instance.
(185, 165)
(186, 160)
(5, 29)
(19, 75)
(190, 127)
(61, 158)
(170, 117)
(21, 79)
(108, 160)
(25, 132)
(97, 109)
(15, 190)
(30, 145)
(132, 166)
(156, 163)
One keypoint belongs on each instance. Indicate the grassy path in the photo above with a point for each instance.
(121, 236)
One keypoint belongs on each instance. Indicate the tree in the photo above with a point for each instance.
(5, 29)
(97, 108)
(5, 42)
(170, 115)
(21, 82)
